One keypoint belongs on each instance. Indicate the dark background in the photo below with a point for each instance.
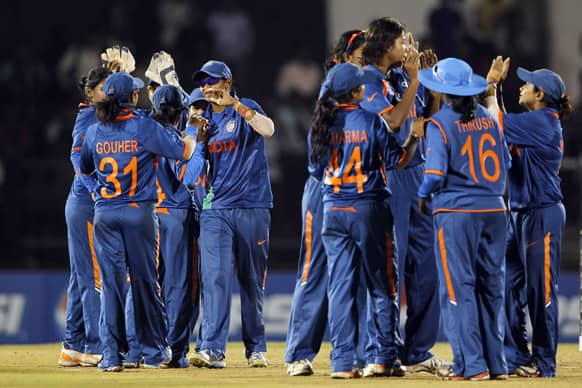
(47, 46)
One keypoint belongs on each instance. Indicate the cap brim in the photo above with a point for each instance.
(137, 83)
(196, 77)
(427, 79)
(525, 75)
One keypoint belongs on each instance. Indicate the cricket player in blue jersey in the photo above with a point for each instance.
(395, 93)
(81, 344)
(122, 149)
(356, 221)
(235, 219)
(537, 216)
(465, 172)
(308, 317)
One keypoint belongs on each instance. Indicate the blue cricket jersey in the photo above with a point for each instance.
(82, 185)
(124, 155)
(537, 148)
(470, 159)
(361, 145)
(238, 175)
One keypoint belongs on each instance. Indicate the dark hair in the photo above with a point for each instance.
(380, 36)
(167, 115)
(92, 79)
(563, 105)
(465, 106)
(348, 42)
(107, 110)
(325, 111)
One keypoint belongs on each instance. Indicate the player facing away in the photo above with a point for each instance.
(122, 149)
(465, 173)
(395, 93)
(235, 219)
(308, 317)
(537, 216)
(81, 344)
(356, 222)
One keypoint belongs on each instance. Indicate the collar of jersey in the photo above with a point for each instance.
(124, 114)
(348, 106)
(376, 71)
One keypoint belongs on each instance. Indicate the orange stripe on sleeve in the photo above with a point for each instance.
(547, 269)
(308, 247)
(96, 272)
(500, 120)
(182, 172)
(434, 172)
(439, 126)
(443, 251)
(390, 265)
(76, 148)
(387, 109)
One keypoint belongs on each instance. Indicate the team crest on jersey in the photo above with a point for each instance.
(230, 126)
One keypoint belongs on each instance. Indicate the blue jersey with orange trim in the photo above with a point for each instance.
(472, 158)
(378, 96)
(238, 175)
(82, 185)
(360, 146)
(171, 192)
(537, 148)
(124, 155)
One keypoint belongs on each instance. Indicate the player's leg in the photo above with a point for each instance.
(515, 339)
(457, 239)
(490, 288)
(251, 252)
(133, 357)
(216, 266)
(110, 250)
(544, 229)
(141, 237)
(176, 244)
(195, 260)
(308, 317)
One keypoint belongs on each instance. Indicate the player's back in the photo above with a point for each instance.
(477, 161)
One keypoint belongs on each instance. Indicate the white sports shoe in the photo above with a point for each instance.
(257, 360)
(300, 368)
(374, 370)
(430, 365)
(90, 359)
(69, 357)
(207, 359)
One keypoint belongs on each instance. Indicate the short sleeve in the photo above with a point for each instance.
(437, 158)
(376, 97)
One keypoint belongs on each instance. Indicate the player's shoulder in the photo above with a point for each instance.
(250, 103)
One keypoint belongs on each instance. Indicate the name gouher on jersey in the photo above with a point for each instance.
(222, 146)
(349, 136)
(117, 146)
(478, 124)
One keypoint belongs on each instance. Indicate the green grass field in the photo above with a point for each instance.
(36, 365)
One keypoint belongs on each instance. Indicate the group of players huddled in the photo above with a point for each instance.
(408, 157)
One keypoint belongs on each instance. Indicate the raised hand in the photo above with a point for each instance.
(118, 58)
(428, 59)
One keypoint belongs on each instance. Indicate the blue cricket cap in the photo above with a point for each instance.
(344, 77)
(214, 69)
(196, 96)
(551, 83)
(121, 85)
(452, 76)
(167, 95)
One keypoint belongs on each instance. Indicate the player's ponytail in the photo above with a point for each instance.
(91, 80)
(563, 106)
(325, 111)
(107, 110)
(465, 106)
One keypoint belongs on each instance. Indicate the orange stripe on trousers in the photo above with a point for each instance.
(96, 272)
(390, 265)
(547, 272)
(443, 251)
(308, 241)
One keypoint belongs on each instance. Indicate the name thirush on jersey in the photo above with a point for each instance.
(349, 136)
(222, 146)
(116, 146)
(477, 124)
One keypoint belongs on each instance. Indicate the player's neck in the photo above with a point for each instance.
(218, 108)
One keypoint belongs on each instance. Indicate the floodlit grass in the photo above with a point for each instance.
(36, 366)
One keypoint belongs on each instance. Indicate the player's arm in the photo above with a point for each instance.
(78, 139)
(436, 163)
(189, 171)
(394, 155)
(159, 140)
(86, 163)
(395, 117)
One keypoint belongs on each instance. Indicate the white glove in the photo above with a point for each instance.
(162, 70)
(121, 55)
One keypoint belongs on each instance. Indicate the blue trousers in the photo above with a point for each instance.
(308, 317)
(413, 232)
(83, 299)
(358, 238)
(470, 253)
(176, 258)
(533, 261)
(233, 239)
(126, 240)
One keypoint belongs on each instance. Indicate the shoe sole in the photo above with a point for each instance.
(200, 363)
(259, 364)
(301, 373)
(116, 368)
(68, 364)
